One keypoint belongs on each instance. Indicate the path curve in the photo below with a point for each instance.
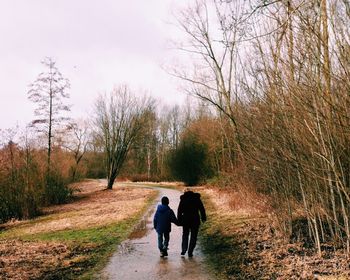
(139, 258)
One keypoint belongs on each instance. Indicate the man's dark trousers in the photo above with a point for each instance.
(186, 230)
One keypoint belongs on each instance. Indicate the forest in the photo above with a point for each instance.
(268, 85)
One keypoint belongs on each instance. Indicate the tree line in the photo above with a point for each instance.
(129, 135)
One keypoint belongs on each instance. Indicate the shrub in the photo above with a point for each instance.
(21, 184)
(57, 190)
(95, 165)
(189, 162)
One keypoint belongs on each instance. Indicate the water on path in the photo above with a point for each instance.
(139, 258)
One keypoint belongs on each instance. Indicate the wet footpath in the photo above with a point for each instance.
(139, 258)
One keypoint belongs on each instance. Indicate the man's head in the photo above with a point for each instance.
(165, 200)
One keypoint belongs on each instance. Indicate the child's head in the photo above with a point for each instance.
(165, 200)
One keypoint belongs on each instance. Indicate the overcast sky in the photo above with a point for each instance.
(96, 45)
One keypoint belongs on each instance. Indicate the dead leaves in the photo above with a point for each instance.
(28, 260)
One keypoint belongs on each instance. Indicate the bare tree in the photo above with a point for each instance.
(298, 121)
(119, 118)
(48, 91)
(214, 30)
(76, 141)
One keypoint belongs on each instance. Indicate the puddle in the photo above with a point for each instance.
(142, 228)
(125, 247)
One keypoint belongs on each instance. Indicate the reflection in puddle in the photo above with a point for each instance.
(141, 228)
(125, 247)
(139, 231)
(163, 267)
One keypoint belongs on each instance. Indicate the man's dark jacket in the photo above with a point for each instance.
(163, 218)
(189, 209)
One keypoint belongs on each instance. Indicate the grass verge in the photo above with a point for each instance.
(224, 245)
(163, 185)
(245, 245)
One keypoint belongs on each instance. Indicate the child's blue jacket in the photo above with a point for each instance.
(163, 218)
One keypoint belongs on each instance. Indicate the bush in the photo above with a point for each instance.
(189, 162)
(21, 186)
(95, 165)
(24, 188)
(57, 190)
(146, 178)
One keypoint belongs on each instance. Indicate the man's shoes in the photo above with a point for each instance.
(183, 254)
(165, 253)
(190, 255)
(162, 253)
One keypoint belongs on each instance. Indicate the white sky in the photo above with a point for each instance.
(96, 44)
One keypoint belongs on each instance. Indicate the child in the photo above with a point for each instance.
(162, 220)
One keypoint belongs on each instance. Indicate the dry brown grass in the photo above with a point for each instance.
(254, 249)
(92, 207)
(242, 202)
(28, 260)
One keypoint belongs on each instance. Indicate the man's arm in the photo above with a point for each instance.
(202, 211)
(173, 218)
(180, 212)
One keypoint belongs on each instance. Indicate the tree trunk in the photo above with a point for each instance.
(50, 132)
(326, 60)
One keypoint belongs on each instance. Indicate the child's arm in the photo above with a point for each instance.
(155, 220)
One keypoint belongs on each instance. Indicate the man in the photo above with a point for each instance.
(162, 220)
(189, 214)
